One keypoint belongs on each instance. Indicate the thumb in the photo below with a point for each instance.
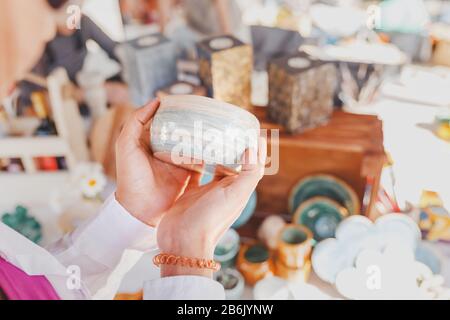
(135, 126)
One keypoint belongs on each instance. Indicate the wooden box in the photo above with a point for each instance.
(301, 92)
(226, 66)
(349, 147)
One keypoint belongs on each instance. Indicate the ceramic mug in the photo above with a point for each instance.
(203, 134)
(294, 246)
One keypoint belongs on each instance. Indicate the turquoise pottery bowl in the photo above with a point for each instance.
(321, 215)
(227, 249)
(324, 186)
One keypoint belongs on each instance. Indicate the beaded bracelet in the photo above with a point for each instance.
(170, 259)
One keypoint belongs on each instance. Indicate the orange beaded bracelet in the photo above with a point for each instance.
(173, 260)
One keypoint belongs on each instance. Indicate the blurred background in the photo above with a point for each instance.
(359, 89)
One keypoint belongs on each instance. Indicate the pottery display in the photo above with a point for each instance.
(254, 262)
(203, 134)
(294, 246)
(358, 233)
(227, 249)
(324, 186)
(321, 215)
(226, 66)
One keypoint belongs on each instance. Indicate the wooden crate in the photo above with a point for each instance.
(349, 147)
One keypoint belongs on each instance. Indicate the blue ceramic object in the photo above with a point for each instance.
(249, 209)
(227, 249)
(321, 215)
(324, 186)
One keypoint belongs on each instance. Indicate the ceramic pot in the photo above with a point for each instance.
(321, 215)
(233, 283)
(294, 246)
(254, 262)
(324, 186)
(203, 134)
(293, 274)
(227, 249)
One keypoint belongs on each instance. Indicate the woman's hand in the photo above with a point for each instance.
(193, 226)
(146, 187)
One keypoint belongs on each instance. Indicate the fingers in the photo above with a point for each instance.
(136, 126)
(194, 181)
(253, 171)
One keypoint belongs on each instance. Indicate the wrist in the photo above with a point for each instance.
(139, 212)
(188, 250)
(173, 271)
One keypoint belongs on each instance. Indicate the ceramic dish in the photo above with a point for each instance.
(227, 249)
(358, 233)
(321, 215)
(324, 186)
(203, 134)
(294, 246)
(254, 262)
(233, 283)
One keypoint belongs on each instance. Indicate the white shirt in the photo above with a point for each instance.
(91, 262)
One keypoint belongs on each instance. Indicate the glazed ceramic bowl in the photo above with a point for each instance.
(294, 246)
(254, 262)
(203, 134)
(324, 186)
(321, 215)
(233, 283)
(227, 249)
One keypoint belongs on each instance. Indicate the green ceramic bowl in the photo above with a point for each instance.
(321, 215)
(324, 186)
(257, 253)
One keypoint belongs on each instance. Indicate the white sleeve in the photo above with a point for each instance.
(183, 288)
(97, 249)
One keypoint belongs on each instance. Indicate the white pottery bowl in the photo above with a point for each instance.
(203, 134)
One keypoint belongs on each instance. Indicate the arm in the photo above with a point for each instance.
(105, 259)
(105, 248)
(92, 31)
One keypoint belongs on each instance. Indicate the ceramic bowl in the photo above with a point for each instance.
(294, 246)
(227, 249)
(321, 215)
(254, 262)
(203, 134)
(233, 283)
(358, 233)
(324, 186)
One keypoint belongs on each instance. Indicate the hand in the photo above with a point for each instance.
(193, 226)
(146, 187)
